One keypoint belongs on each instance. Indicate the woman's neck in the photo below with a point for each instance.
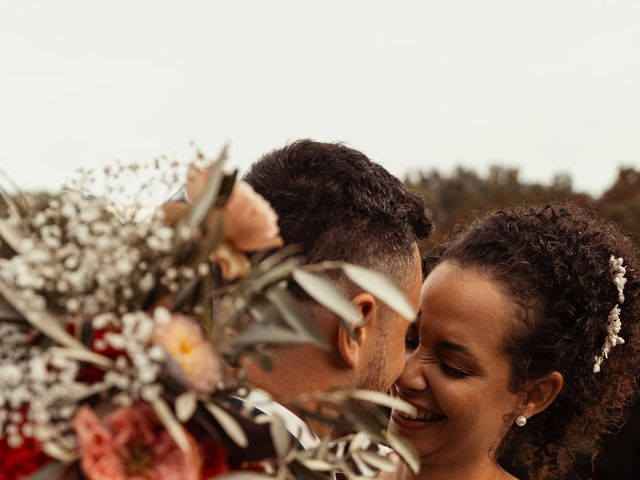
(482, 470)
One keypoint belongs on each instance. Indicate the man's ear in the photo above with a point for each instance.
(350, 343)
(541, 393)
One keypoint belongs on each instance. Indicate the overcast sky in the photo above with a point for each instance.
(548, 86)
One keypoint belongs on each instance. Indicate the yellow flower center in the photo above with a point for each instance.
(185, 347)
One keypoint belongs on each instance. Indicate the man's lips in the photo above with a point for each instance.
(422, 419)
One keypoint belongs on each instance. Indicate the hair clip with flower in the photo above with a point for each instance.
(614, 324)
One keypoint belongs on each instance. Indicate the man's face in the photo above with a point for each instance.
(388, 357)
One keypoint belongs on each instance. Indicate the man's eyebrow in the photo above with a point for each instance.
(456, 347)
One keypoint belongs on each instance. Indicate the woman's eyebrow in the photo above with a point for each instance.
(456, 347)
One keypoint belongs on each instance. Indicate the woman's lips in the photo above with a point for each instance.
(424, 418)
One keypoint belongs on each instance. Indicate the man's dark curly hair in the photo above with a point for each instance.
(553, 261)
(338, 205)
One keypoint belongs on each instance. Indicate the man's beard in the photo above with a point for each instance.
(373, 377)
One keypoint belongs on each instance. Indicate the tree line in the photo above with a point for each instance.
(456, 197)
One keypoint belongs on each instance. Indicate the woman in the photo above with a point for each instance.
(518, 350)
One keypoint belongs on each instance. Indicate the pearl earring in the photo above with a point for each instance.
(521, 421)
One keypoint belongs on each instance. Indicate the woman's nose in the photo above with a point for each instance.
(412, 377)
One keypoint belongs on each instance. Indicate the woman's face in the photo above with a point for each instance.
(457, 375)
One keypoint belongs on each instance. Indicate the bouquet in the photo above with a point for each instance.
(123, 327)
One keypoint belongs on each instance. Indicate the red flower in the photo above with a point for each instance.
(132, 444)
(214, 458)
(16, 463)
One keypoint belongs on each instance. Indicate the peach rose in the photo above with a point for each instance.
(132, 445)
(249, 221)
(183, 339)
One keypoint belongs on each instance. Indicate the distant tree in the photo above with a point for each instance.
(455, 198)
(621, 202)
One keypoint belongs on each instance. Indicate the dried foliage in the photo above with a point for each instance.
(106, 322)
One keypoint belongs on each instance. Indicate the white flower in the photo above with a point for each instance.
(10, 376)
(614, 324)
(124, 266)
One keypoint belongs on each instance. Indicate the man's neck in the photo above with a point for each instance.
(290, 385)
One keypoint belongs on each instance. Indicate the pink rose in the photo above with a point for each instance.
(132, 445)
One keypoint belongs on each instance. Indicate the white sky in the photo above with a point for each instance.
(546, 85)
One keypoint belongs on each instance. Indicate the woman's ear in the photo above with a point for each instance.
(351, 343)
(541, 393)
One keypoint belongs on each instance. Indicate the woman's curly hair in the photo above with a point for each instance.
(553, 261)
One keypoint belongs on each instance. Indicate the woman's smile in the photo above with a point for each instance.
(423, 418)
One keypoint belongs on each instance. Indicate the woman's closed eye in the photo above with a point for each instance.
(453, 370)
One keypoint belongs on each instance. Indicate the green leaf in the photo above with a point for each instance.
(226, 187)
(48, 471)
(186, 406)
(300, 471)
(10, 235)
(364, 419)
(229, 424)
(56, 452)
(187, 295)
(296, 318)
(359, 441)
(406, 452)
(259, 334)
(246, 475)
(7, 312)
(202, 207)
(326, 294)
(377, 461)
(280, 436)
(46, 323)
(274, 275)
(212, 238)
(317, 465)
(170, 422)
(382, 287)
(385, 400)
(83, 355)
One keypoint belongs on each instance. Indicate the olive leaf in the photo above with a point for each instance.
(43, 321)
(244, 475)
(229, 424)
(259, 334)
(202, 207)
(385, 400)
(296, 318)
(280, 436)
(7, 312)
(376, 461)
(382, 287)
(173, 427)
(186, 406)
(56, 452)
(326, 294)
(10, 235)
(49, 471)
(405, 451)
(83, 355)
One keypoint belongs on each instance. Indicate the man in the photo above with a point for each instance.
(337, 204)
